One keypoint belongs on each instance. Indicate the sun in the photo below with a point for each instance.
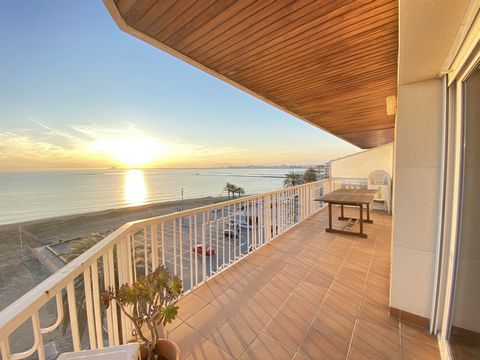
(134, 151)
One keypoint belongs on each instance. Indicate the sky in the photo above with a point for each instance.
(77, 92)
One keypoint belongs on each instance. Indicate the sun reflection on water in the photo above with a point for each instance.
(135, 189)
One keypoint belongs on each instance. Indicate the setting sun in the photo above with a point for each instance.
(139, 151)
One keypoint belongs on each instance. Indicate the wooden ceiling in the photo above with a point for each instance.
(331, 63)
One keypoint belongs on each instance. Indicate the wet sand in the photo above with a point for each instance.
(20, 270)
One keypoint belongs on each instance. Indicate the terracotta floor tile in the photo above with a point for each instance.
(230, 300)
(379, 281)
(331, 259)
(233, 337)
(320, 345)
(355, 265)
(209, 351)
(348, 289)
(297, 308)
(319, 277)
(356, 353)
(341, 303)
(352, 275)
(374, 295)
(381, 341)
(296, 269)
(273, 295)
(287, 330)
(264, 348)
(334, 323)
(251, 284)
(418, 333)
(286, 280)
(327, 268)
(256, 316)
(208, 319)
(465, 351)
(186, 338)
(170, 327)
(413, 349)
(190, 305)
(206, 292)
(377, 314)
(299, 356)
(311, 292)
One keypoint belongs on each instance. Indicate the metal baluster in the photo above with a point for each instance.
(204, 253)
(87, 284)
(223, 236)
(190, 250)
(174, 224)
(96, 305)
(247, 218)
(234, 232)
(106, 280)
(145, 249)
(162, 235)
(196, 255)
(180, 231)
(38, 336)
(5, 349)
(116, 333)
(72, 311)
(154, 245)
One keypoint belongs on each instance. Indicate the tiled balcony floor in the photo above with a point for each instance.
(306, 295)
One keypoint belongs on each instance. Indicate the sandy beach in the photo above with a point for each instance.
(21, 270)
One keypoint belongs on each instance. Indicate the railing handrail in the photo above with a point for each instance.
(223, 203)
(14, 315)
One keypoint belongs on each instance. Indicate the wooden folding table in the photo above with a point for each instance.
(351, 197)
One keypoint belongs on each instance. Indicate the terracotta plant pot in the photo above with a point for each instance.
(166, 349)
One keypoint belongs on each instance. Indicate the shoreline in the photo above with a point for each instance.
(20, 267)
(101, 220)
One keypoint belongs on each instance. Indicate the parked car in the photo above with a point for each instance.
(232, 232)
(199, 250)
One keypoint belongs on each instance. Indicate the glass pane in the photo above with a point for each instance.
(465, 327)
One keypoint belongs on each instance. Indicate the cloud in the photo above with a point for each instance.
(91, 145)
(96, 146)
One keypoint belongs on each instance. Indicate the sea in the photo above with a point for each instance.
(34, 195)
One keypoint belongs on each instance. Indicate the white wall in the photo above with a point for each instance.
(417, 193)
(361, 164)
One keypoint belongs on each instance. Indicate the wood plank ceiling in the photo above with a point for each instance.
(331, 63)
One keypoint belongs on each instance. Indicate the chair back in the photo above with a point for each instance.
(379, 177)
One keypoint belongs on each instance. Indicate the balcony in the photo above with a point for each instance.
(306, 295)
(277, 287)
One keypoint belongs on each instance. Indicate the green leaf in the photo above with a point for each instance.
(169, 313)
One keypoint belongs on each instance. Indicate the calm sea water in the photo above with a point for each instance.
(31, 195)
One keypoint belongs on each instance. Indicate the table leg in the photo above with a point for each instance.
(361, 219)
(330, 216)
(341, 211)
(368, 212)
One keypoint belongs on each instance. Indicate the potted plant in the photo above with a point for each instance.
(150, 304)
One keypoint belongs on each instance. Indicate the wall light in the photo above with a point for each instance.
(391, 105)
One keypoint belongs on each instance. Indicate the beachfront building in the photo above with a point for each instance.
(324, 170)
(401, 78)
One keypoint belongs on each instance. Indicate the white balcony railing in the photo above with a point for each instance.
(233, 229)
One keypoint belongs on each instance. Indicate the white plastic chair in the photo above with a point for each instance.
(381, 180)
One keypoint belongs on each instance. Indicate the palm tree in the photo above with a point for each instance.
(292, 178)
(233, 189)
(240, 191)
(310, 175)
(228, 188)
